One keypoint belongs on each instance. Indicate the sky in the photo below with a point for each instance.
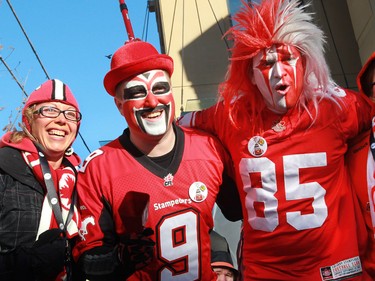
(72, 39)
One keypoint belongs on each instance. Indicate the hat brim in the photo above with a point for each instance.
(126, 71)
(224, 264)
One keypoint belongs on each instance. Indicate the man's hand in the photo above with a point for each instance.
(136, 251)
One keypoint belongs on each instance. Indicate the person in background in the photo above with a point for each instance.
(221, 259)
(38, 219)
(361, 166)
(287, 127)
(156, 176)
(366, 78)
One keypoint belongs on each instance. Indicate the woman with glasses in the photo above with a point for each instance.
(38, 218)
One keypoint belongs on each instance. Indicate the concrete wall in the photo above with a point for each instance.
(362, 14)
(191, 33)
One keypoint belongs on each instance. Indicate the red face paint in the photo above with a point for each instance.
(148, 104)
(278, 74)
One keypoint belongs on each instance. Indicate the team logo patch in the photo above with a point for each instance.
(168, 180)
(342, 270)
(257, 146)
(83, 230)
(198, 192)
(326, 273)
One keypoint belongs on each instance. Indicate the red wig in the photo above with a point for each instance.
(259, 26)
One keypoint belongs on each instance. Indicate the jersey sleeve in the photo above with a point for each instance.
(97, 228)
(96, 250)
(358, 111)
(207, 119)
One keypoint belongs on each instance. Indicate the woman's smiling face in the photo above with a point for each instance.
(54, 134)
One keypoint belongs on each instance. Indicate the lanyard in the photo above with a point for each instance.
(51, 191)
(372, 144)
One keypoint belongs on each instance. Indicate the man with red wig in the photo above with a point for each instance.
(287, 126)
(156, 176)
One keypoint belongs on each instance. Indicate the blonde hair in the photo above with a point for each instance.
(18, 136)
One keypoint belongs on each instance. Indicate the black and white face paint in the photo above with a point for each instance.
(148, 104)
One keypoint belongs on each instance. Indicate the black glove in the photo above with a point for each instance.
(49, 254)
(136, 251)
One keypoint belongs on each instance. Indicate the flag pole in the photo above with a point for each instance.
(125, 16)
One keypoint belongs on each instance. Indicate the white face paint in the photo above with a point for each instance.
(278, 74)
(148, 104)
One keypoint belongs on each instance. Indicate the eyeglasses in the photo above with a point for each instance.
(53, 112)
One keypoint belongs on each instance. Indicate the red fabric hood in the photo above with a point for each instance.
(364, 68)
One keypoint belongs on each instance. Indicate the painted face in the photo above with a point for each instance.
(54, 134)
(278, 74)
(147, 102)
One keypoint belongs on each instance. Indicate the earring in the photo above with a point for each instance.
(69, 151)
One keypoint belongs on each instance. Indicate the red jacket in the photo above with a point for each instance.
(361, 166)
(360, 77)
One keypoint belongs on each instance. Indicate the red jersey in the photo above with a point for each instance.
(180, 208)
(299, 222)
(361, 167)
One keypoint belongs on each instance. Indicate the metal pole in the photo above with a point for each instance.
(125, 16)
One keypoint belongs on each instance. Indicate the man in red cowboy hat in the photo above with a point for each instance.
(174, 173)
